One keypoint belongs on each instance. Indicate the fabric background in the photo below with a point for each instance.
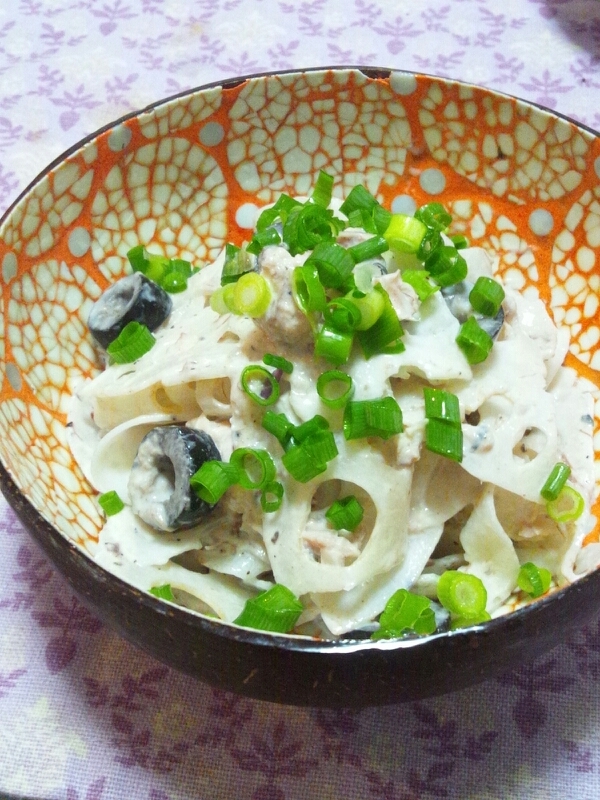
(83, 714)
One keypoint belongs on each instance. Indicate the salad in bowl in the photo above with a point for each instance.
(345, 427)
(299, 380)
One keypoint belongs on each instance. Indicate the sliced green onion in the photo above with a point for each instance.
(440, 404)
(316, 438)
(256, 467)
(384, 336)
(320, 446)
(309, 225)
(345, 514)
(444, 438)
(430, 242)
(321, 194)
(278, 362)
(181, 266)
(405, 612)
(404, 234)
(156, 268)
(364, 277)
(271, 497)
(212, 480)
(137, 258)
(163, 592)
(371, 307)
(335, 388)
(151, 265)
(229, 297)
(342, 314)
(362, 218)
(555, 481)
(111, 503)
(462, 594)
(171, 274)
(358, 198)
(364, 211)
(277, 212)
(260, 385)
(419, 280)
(134, 340)
(237, 262)
(381, 218)
(393, 348)
(176, 275)
(567, 507)
(533, 580)
(446, 265)
(470, 621)
(475, 343)
(174, 282)
(381, 417)
(486, 296)
(278, 425)
(301, 465)
(460, 241)
(313, 425)
(333, 345)
(368, 249)
(251, 295)
(307, 289)
(276, 610)
(262, 239)
(221, 299)
(334, 264)
(434, 215)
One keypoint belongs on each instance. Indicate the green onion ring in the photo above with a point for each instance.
(342, 314)
(555, 481)
(111, 503)
(326, 383)
(271, 497)
(254, 372)
(278, 362)
(260, 461)
(567, 507)
(132, 343)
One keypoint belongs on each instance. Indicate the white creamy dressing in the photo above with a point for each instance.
(388, 488)
(531, 413)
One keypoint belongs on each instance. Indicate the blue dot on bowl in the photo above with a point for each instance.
(541, 222)
(432, 181)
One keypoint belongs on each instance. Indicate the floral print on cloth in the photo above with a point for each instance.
(87, 715)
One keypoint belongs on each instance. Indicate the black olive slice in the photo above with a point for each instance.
(159, 482)
(491, 325)
(457, 300)
(134, 298)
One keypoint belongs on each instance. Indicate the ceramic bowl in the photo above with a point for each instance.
(188, 173)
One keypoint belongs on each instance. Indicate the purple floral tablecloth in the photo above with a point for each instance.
(83, 714)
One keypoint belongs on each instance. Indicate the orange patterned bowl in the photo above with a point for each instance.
(520, 181)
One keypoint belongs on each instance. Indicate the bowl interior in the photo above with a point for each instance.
(188, 174)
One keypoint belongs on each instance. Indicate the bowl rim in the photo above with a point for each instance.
(373, 72)
(45, 533)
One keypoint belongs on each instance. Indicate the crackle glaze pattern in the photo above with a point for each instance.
(187, 175)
